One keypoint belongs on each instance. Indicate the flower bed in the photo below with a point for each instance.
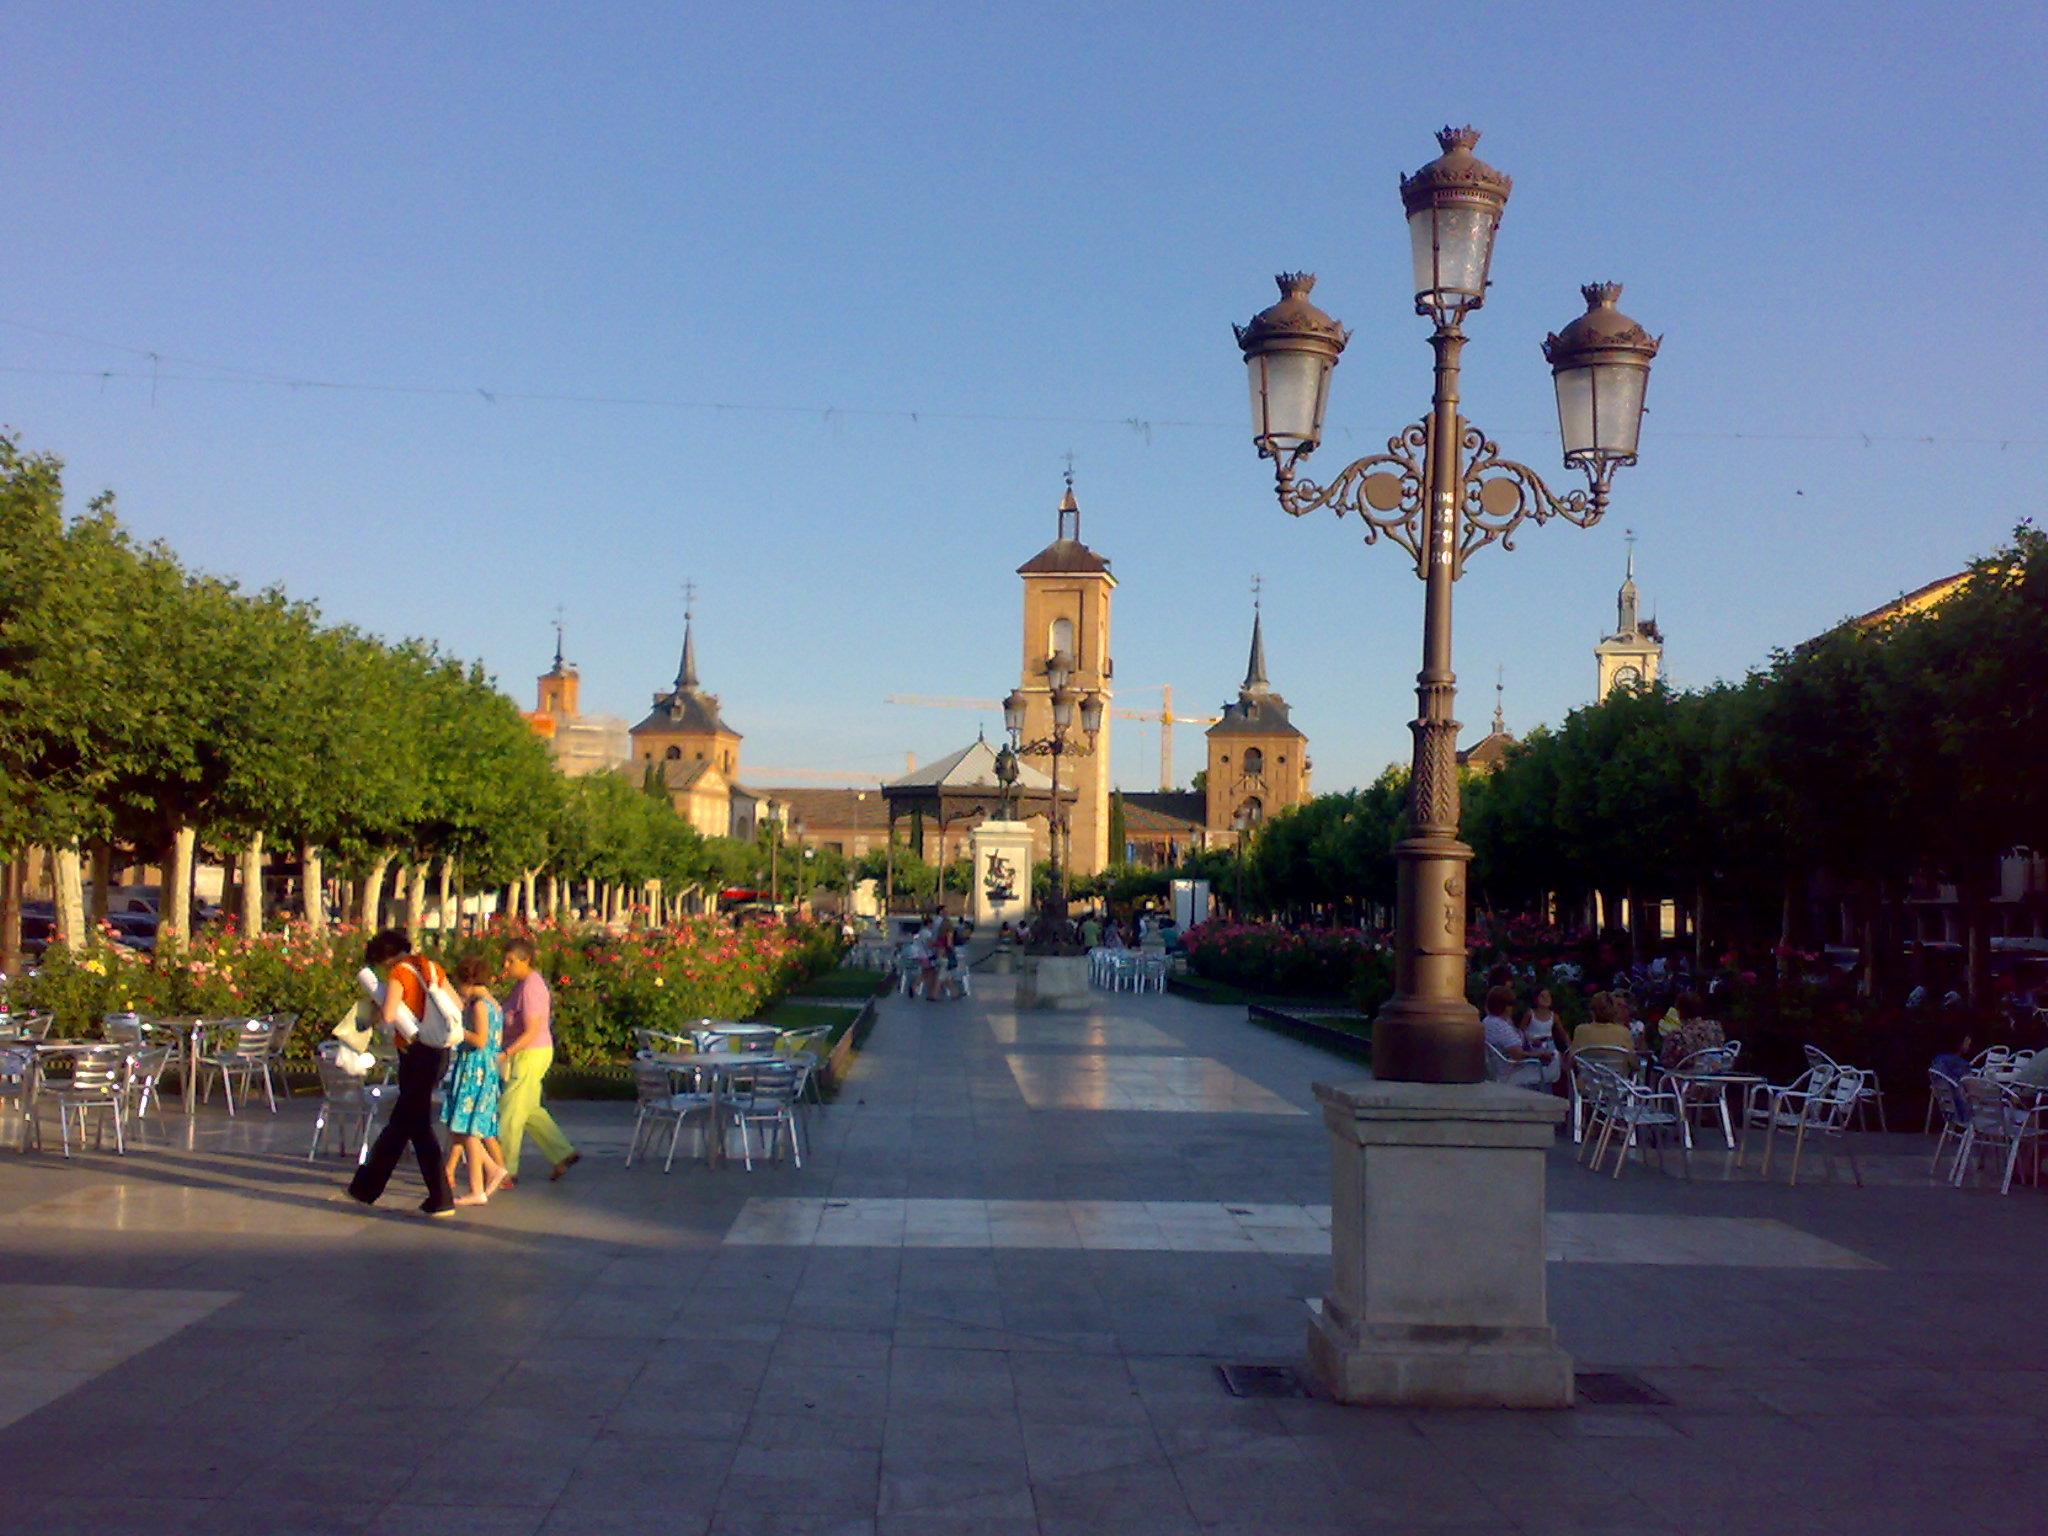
(604, 987)
(1266, 958)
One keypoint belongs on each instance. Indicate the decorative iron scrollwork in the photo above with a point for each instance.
(1388, 492)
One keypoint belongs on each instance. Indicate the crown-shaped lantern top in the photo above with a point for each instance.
(1457, 175)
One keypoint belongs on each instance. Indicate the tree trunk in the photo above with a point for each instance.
(449, 901)
(416, 897)
(312, 888)
(371, 914)
(174, 921)
(102, 879)
(13, 876)
(1976, 940)
(70, 880)
(252, 885)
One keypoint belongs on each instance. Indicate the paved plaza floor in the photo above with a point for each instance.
(993, 1300)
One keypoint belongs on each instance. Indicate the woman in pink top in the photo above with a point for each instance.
(529, 1052)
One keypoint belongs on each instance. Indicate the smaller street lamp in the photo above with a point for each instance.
(1059, 674)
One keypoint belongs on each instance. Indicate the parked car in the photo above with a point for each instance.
(137, 930)
(38, 927)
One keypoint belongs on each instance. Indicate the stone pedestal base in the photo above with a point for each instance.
(1437, 1244)
(1054, 981)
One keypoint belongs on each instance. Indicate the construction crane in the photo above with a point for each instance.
(1164, 717)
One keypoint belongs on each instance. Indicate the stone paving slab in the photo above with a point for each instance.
(625, 1350)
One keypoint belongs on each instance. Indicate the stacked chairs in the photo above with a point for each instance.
(97, 1086)
(1152, 968)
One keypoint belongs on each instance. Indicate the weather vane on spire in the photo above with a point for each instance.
(1258, 591)
(1500, 713)
(689, 599)
(558, 637)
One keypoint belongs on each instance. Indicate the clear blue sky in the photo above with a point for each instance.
(1032, 226)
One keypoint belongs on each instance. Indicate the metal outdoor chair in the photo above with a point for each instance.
(1526, 1073)
(1945, 1097)
(1872, 1096)
(26, 1026)
(139, 1085)
(96, 1086)
(1622, 1063)
(767, 1099)
(2001, 1118)
(18, 1083)
(240, 1049)
(349, 1103)
(1815, 1106)
(658, 1102)
(1711, 1099)
(1638, 1114)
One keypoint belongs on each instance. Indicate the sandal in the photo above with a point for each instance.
(565, 1165)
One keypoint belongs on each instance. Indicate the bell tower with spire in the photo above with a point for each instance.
(1068, 590)
(1258, 758)
(688, 748)
(1633, 655)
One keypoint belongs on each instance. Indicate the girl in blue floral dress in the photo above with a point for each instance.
(469, 1097)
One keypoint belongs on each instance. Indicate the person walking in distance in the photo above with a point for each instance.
(529, 1052)
(403, 979)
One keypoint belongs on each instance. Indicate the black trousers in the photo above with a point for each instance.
(412, 1120)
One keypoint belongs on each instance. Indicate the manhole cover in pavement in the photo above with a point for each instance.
(1261, 1381)
(1618, 1389)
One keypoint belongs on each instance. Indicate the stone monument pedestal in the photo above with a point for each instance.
(1054, 981)
(1437, 1241)
(1002, 872)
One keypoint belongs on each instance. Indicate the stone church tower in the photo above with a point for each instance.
(691, 749)
(1632, 656)
(1067, 589)
(1258, 758)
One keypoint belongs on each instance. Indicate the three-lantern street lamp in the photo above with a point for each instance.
(1441, 491)
(1066, 702)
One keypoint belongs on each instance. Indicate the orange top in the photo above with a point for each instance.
(406, 975)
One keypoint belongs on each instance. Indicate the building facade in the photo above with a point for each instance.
(579, 743)
(1068, 589)
(1633, 656)
(1258, 758)
(685, 746)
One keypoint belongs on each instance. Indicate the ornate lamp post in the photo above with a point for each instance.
(775, 853)
(1059, 673)
(1441, 491)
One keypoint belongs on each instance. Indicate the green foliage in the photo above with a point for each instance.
(604, 987)
(1336, 963)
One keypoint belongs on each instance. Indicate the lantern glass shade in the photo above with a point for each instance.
(1062, 707)
(1290, 392)
(1059, 669)
(1013, 712)
(1600, 410)
(1452, 243)
(1091, 713)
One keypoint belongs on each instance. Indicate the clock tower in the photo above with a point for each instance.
(1633, 655)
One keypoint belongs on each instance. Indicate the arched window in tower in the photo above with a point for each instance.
(1254, 762)
(1250, 814)
(1062, 641)
(674, 754)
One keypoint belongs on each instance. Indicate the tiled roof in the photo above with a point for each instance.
(1176, 812)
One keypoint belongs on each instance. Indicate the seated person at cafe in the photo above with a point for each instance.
(1691, 1033)
(1502, 1033)
(1605, 1031)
